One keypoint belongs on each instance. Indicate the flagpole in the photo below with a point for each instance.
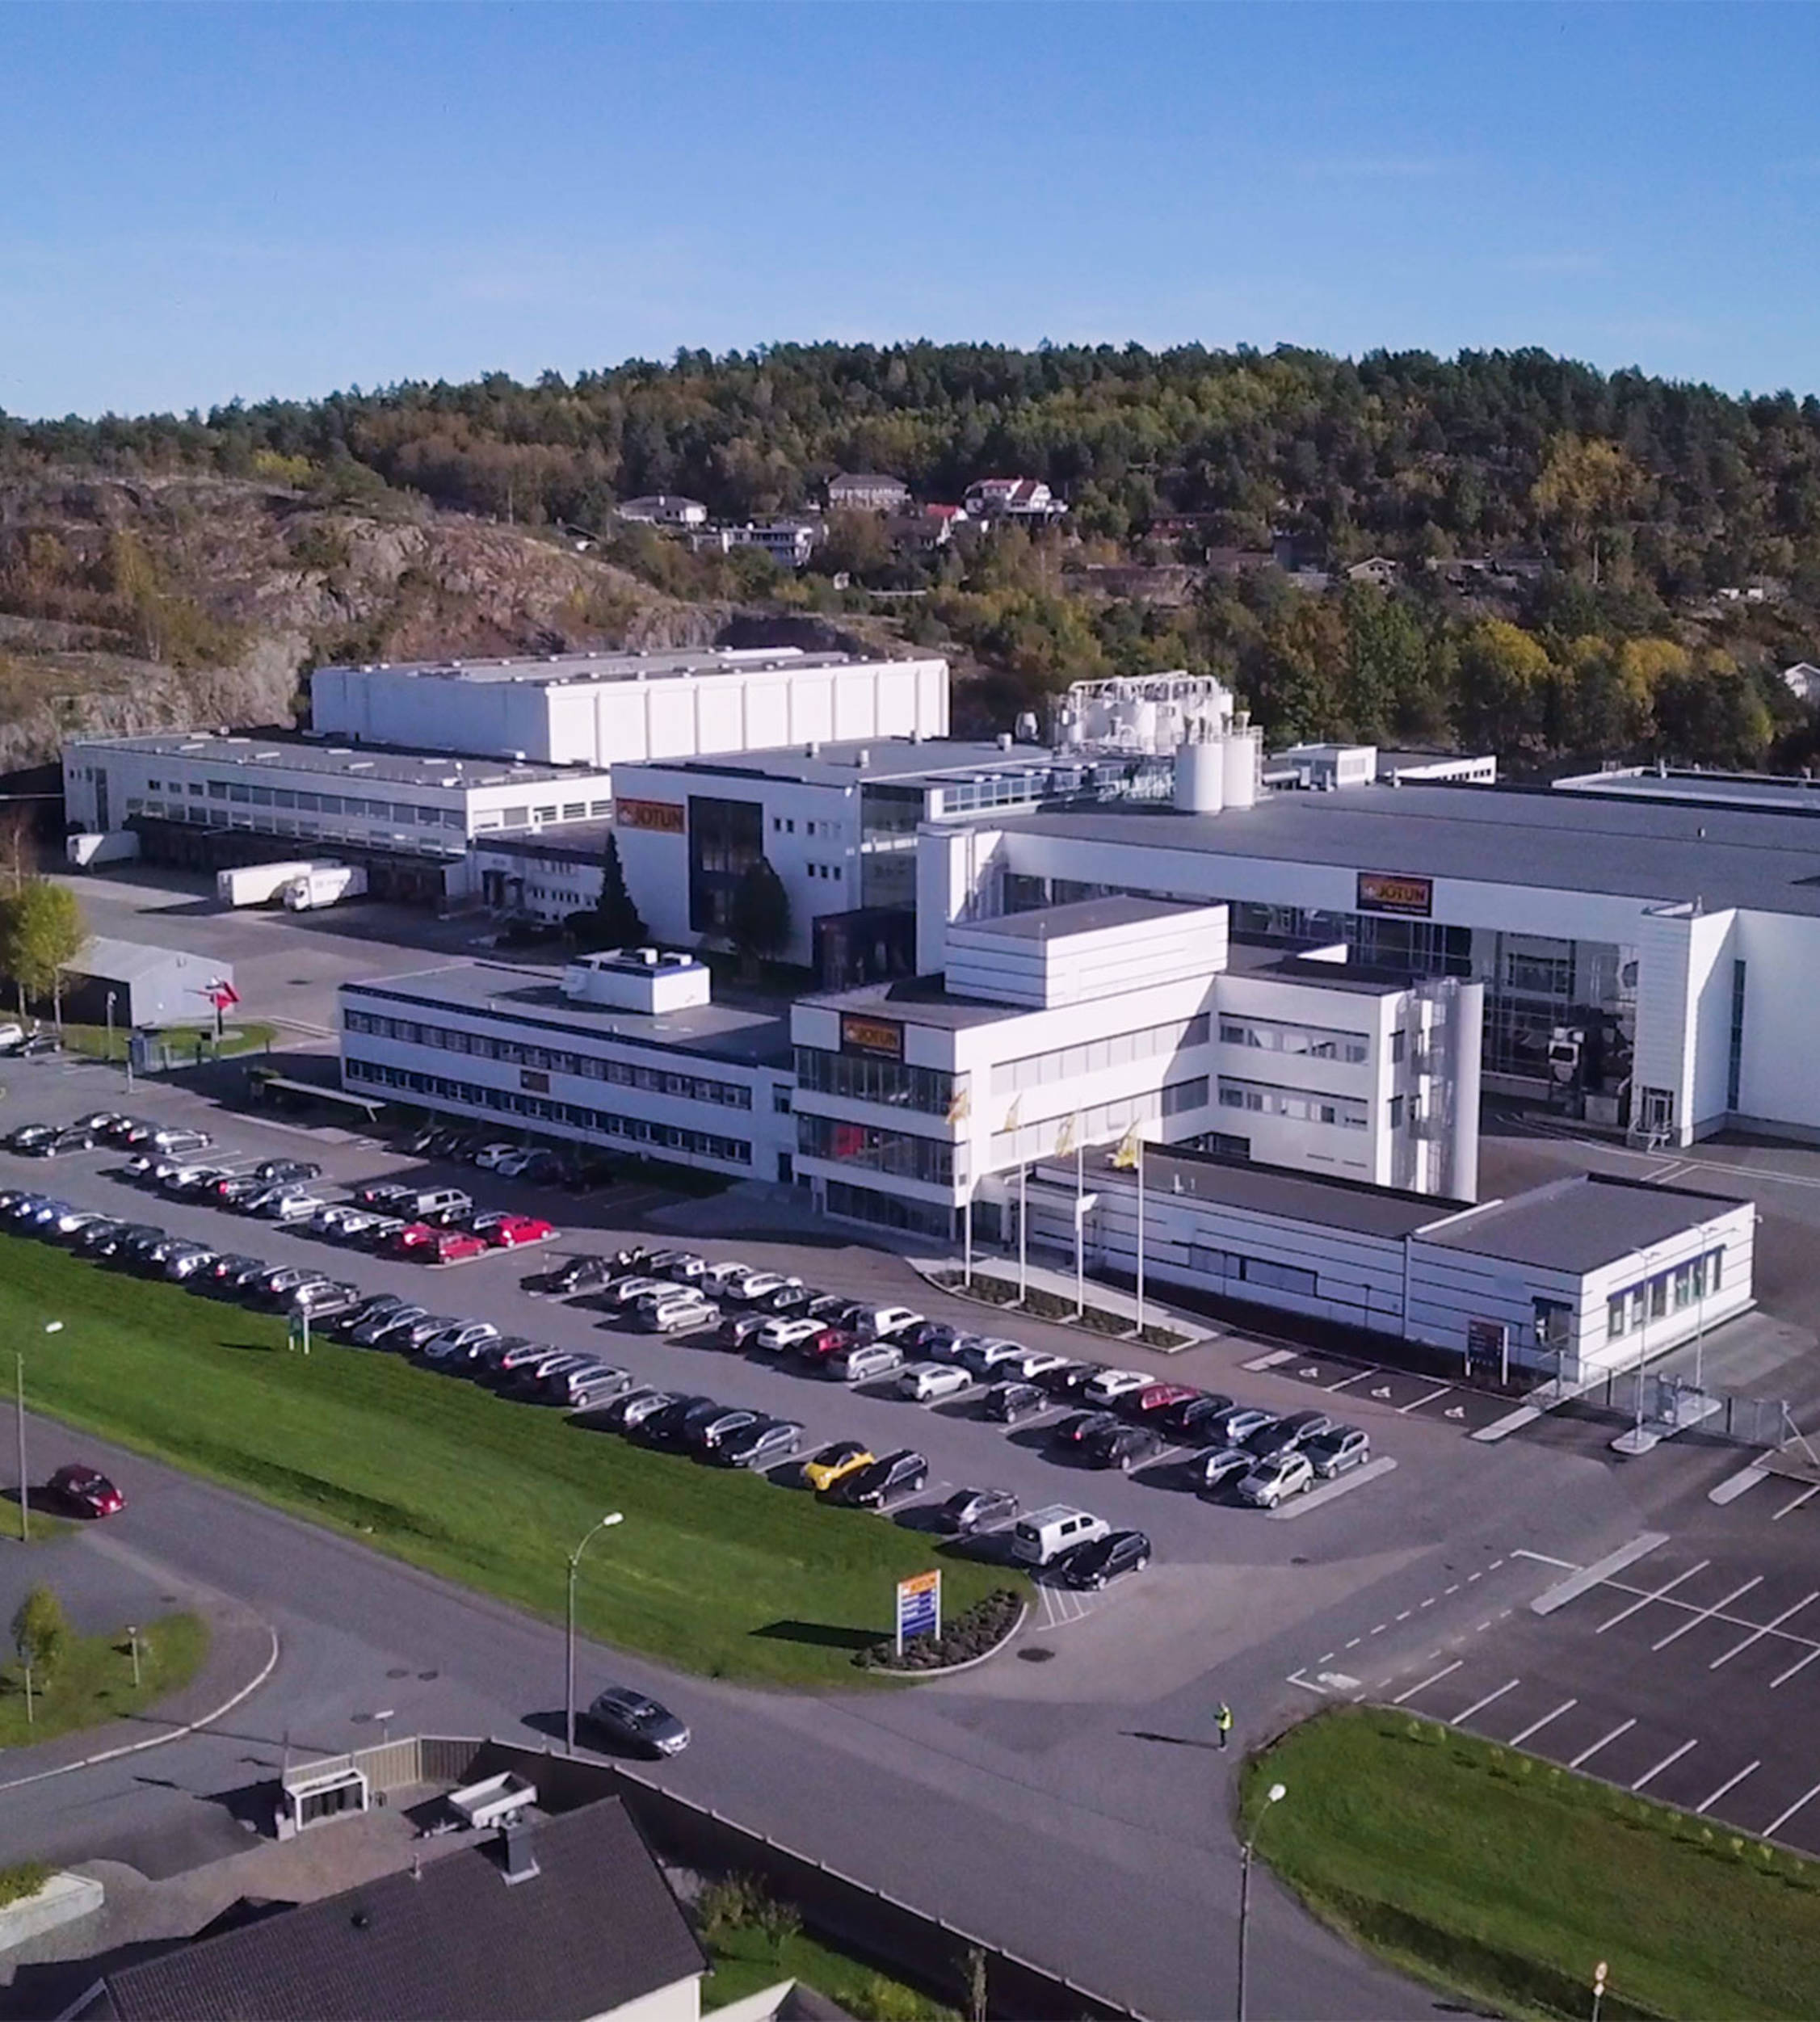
(967, 1239)
(1139, 1170)
(1022, 1232)
(1080, 1227)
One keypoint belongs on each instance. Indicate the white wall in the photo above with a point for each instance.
(1683, 1012)
(1781, 1077)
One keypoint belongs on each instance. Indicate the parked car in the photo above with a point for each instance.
(685, 1313)
(535, 1381)
(1031, 1366)
(1239, 1426)
(705, 1432)
(666, 1427)
(863, 1360)
(789, 1299)
(186, 1260)
(759, 1444)
(455, 1343)
(1219, 1467)
(1124, 1447)
(1190, 1418)
(1337, 1451)
(179, 1141)
(372, 1308)
(635, 1285)
(888, 1479)
(631, 1411)
(1112, 1387)
(741, 1330)
(780, 1336)
(1073, 1433)
(1273, 1481)
(578, 1275)
(630, 1720)
(512, 1232)
(969, 1510)
(885, 1323)
(1041, 1538)
(925, 1382)
(587, 1388)
(489, 1155)
(325, 1299)
(842, 1457)
(1149, 1404)
(756, 1285)
(1106, 1559)
(1011, 1403)
(373, 1331)
(989, 1354)
(1289, 1433)
(1068, 1379)
(86, 1490)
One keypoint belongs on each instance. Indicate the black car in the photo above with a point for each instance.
(633, 1411)
(277, 1172)
(704, 1432)
(1107, 1559)
(1218, 1467)
(759, 1443)
(380, 1304)
(666, 1427)
(1068, 1379)
(1283, 1437)
(38, 1044)
(1124, 1447)
(579, 1274)
(886, 1480)
(236, 1273)
(76, 1137)
(1011, 1403)
(1188, 1419)
(973, 1509)
(1073, 1433)
(788, 1301)
(631, 1721)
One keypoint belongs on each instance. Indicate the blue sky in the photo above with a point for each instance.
(198, 203)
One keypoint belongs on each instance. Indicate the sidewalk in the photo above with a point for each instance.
(1193, 1327)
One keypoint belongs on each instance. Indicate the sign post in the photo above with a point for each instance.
(1598, 1988)
(300, 1330)
(919, 1607)
(1488, 1347)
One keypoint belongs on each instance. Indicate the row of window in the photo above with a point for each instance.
(824, 871)
(860, 1077)
(328, 828)
(1304, 1104)
(1104, 1124)
(1310, 1042)
(1067, 1063)
(786, 825)
(1234, 1270)
(889, 1211)
(659, 1081)
(694, 1144)
(404, 812)
(896, 1152)
(1632, 1310)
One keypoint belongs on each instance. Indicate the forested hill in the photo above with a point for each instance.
(1668, 536)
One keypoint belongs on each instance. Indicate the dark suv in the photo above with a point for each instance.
(1107, 1559)
(886, 1480)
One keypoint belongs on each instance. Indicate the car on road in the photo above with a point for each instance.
(969, 1510)
(760, 1443)
(887, 1480)
(1073, 1433)
(865, 1360)
(86, 1490)
(512, 1232)
(1124, 1447)
(631, 1720)
(1289, 1433)
(1011, 1403)
(842, 1456)
(578, 1275)
(1337, 1451)
(925, 1382)
(1112, 1387)
(1273, 1481)
(1218, 1467)
(1106, 1559)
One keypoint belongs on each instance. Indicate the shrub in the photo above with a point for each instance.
(26, 1879)
(975, 1632)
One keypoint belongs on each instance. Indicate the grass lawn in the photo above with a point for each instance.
(39, 1529)
(1507, 1879)
(93, 1682)
(712, 1569)
(239, 1037)
(746, 1960)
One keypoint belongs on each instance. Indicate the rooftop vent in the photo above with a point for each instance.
(812, 749)
(862, 759)
(517, 1851)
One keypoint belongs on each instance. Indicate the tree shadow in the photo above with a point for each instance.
(822, 1635)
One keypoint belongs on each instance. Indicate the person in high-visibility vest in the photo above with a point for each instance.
(1222, 1721)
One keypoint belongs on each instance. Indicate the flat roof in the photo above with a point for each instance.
(745, 1036)
(560, 842)
(1655, 852)
(901, 761)
(547, 669)
(1775, 792)
(289, 752)
(1084, 916)
(1290, 1196)
(1360, 979)
(919, 1000)
(1580, 1222)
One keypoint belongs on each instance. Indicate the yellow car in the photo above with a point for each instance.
(833, 1462)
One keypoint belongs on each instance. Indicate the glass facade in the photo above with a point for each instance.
(726, 838)
(860, 1078)
(899, 1152)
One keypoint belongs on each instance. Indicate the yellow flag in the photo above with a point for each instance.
(1131, 1148)
(1013, 1116)
(960, 1106)
(1065, 1138)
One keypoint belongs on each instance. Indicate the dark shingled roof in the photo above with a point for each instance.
(597, 1927)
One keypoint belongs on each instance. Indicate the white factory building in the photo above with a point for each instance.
(625, 1052)
(1585, 1274)
(597, 710)
(211, 800)
(1048, 1033)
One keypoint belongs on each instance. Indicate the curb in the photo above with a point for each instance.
(159, 1741)
(943, 1671)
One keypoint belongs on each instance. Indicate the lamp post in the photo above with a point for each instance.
(1274, 1795)
(50, 1327)
(605, 1523)
(111, 995)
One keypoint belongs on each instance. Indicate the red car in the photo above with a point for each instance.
(831, 1341)
(85, 1489)
(417, 1237)
(453, 1246)
(511, 1230)
(1159, 1397)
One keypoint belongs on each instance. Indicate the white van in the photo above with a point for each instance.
(1044, 1534)
(439, 1201)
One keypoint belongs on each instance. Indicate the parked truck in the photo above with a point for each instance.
(256, 883)
(322, 884)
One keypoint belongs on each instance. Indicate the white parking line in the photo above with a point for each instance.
(1479, 1705)
(1731, 1783)
(1706, 1614)
(1589, 1577)
(1775, 1825)
(1535, 1727)
(1649, 1776)
(1329, 1492)
(1445, 1390)
(1757, 1635)
(1586, 1755)
(1273, 1361)
(1624, 1614)
(1733, 1486)
(1788, 1509)
(1801, 1664)
(1446, 1671)
(1358, 1376)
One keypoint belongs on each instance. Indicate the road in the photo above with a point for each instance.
(1074, 1809)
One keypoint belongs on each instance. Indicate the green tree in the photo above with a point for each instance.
(40, 1634)
(1504, 687)
(41, 930)
(613, 920)
(1583, 484)
(759, 927)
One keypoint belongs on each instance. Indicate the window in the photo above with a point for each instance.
(1302, 1104)
(1734, 1055)
(1615, 1325)
(1398, 1040)
(1396, 1112)
(1036, 1069)
(900, 1153)
(860, 1078)
(217, 789)
(1313, 1042)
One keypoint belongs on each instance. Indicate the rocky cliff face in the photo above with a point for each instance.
(140, 605)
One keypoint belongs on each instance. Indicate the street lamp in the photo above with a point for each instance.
(111, 995)
(605, 1523)
(1274, 1795)
(50, 1327)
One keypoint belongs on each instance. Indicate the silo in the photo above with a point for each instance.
(1242, 754)
(1199, 779)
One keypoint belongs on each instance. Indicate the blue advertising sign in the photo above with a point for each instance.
(920, 1606)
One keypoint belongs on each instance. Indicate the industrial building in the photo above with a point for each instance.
(212, 801)
(125, 983)
(597, 710)
(1584, 1275)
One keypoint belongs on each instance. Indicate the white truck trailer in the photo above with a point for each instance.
(256, 883)
(322, 884)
